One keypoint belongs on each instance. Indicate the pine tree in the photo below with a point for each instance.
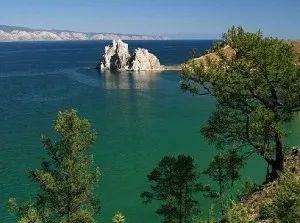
(174, 183)
(217, 171)
(224, 169)
(234, 163)
(68, 179)
(255, 81)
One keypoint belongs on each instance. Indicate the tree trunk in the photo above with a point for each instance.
(180, 205)
(278, 164)
(186, 203)
(68, 203)
(221, 196)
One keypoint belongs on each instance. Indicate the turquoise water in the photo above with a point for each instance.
(140, 117)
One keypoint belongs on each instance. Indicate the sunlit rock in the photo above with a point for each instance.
(116, 57)
(143, 60)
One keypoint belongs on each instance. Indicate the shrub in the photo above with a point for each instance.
(285, 206)
(237, 214)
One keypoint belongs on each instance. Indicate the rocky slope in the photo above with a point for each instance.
(228, 52)
(116, 57)
(10, 33)
(266, 194)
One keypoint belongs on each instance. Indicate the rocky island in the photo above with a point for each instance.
(117, 57)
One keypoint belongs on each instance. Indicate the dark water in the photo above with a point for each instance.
(140, 117)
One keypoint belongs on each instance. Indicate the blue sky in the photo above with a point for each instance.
(176, 18)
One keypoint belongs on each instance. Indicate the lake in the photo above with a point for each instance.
(140, 117)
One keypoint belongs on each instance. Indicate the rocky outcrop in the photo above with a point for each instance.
(116, 57)
(143, 60)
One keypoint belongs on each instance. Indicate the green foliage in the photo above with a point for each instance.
(68, 179)
(234, 163)
(211, 217)
(237, 214)
(256, 86)
(224, 170)
(30, 217)
(285, 206)
(81, 216)
(26, 212)
(13, 208)
(247, 190)
(217, 172)
(119, 218)
(174, 182)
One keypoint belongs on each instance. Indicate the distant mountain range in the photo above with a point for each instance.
(16, 33)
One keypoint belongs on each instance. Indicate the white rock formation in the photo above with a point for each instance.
(143, 60)
(117, 57)
(10, 33)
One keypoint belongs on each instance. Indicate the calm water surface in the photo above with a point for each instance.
(140, 117)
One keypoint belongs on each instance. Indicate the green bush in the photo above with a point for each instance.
(285, 206)
(30, 217)
(247, 190)
(237, 214)
(210, 219)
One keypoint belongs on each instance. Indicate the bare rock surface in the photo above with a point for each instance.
(143, 60)
(116, 57)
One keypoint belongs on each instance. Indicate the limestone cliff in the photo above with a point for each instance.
(143, 60)
(116, 57)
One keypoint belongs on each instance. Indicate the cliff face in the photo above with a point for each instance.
(143, 60)
(8, 33)
(117, 57)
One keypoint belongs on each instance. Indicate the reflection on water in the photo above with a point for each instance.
(129, 80)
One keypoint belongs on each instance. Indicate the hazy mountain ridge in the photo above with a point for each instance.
(16, 33)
